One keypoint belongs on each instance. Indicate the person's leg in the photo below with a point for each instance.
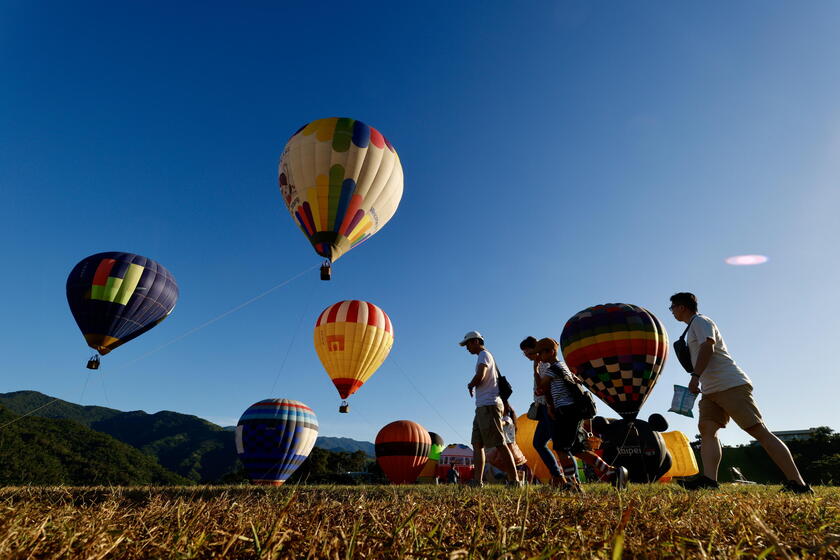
(710, 450)
(478, 462)
(565, 431)
(542, 435)
(602, 469)
(507, 462)
(741, 406)
(778, 451)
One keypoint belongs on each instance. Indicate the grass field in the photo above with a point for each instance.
(658, 521)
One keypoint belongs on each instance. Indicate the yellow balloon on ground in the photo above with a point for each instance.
(352, 339)
(525, 428)
(341, 181)
(683, 461)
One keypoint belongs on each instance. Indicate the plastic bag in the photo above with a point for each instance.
(683, 401)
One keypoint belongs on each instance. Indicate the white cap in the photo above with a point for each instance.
(469, 336)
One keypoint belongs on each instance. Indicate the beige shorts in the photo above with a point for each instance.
(736, 403)
(487, 426)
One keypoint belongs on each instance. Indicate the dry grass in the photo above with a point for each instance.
(657, 521)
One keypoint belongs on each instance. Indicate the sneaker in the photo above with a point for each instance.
(620, 479)
(698, 483)
(796, 488)
(475, 484)
(514, 483)
(572, 488)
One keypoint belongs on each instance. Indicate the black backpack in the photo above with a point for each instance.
(505, 388)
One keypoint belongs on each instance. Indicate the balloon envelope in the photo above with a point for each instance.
(402, 449)
(618, 350)
(115, 297)
(437, 446)
(352, 339)
(273, 438)
(341, 181)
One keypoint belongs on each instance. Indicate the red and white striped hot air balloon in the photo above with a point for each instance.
(352, 339)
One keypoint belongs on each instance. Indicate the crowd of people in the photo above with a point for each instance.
(726, 394)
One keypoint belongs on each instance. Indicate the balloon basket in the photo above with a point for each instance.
(326, 271)
(344, 408)
(93, 362)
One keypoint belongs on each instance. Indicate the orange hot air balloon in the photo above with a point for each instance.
(402, 449)
(352, 339)
(525, 428)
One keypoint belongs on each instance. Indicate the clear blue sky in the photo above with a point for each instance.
(557, 155)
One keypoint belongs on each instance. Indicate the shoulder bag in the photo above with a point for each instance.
(682, 351)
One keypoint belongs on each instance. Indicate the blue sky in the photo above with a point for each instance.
(557, 155)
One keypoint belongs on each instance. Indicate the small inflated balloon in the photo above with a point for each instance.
(115, 297)
(341, 181)
(402, 449)
(437, 446)
(273, 438)
(618, 350)
(352, 339)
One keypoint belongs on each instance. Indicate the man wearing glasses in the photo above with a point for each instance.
(727, 393)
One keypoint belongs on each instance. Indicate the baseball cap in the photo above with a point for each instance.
(470, 335)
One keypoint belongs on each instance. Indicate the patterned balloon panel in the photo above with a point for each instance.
(273, 438)
(619, 351)
(115, 297)
(437, 446)
(402, 449)
(341, 181)
(352, 339)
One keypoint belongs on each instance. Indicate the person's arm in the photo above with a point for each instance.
(480, 372)
(704, 354)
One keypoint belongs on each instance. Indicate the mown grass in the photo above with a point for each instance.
(658, 521)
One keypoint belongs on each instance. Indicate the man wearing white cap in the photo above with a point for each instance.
(487, 424)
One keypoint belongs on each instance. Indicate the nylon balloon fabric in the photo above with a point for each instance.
(341, 180)
(273, 438)
(402, 449)
(115, 297)
(352, 339)
(619, 351)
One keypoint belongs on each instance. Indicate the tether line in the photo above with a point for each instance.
(442, 417)
(171, 342)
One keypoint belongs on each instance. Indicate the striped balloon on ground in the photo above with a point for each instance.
(273, 438)
(619, 351)
(352, 339)
(402, 449)
(341, 181)
(115, 297)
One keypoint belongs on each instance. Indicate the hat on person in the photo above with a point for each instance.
(546, 344)
(469, 336)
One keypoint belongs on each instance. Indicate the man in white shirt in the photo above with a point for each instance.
(727, 393)
(487, 424)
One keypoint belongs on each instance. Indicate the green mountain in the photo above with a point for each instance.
(54, 451)
(193, 448)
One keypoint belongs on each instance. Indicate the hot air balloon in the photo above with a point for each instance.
(618, 350)
(430, 468)
(116, 297)
(341, 181)
(273, 438)
(402, 449)
(352, 339)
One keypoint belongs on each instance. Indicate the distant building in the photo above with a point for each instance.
(792, 435)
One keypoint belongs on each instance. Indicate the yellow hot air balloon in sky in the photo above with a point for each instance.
(352, 339)
(341, 181)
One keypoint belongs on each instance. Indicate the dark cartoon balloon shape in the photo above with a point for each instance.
(115, 297)
(402, 449)
(341, 181)
(274, 437)
(636, 445)
(619, 351)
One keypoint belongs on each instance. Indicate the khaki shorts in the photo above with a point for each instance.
(487, 426)
(736, 403)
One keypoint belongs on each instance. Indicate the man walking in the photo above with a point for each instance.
(487, 423)
(727, 393)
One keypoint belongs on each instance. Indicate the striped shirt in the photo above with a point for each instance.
(560, 374)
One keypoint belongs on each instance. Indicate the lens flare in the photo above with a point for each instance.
(746, 260)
